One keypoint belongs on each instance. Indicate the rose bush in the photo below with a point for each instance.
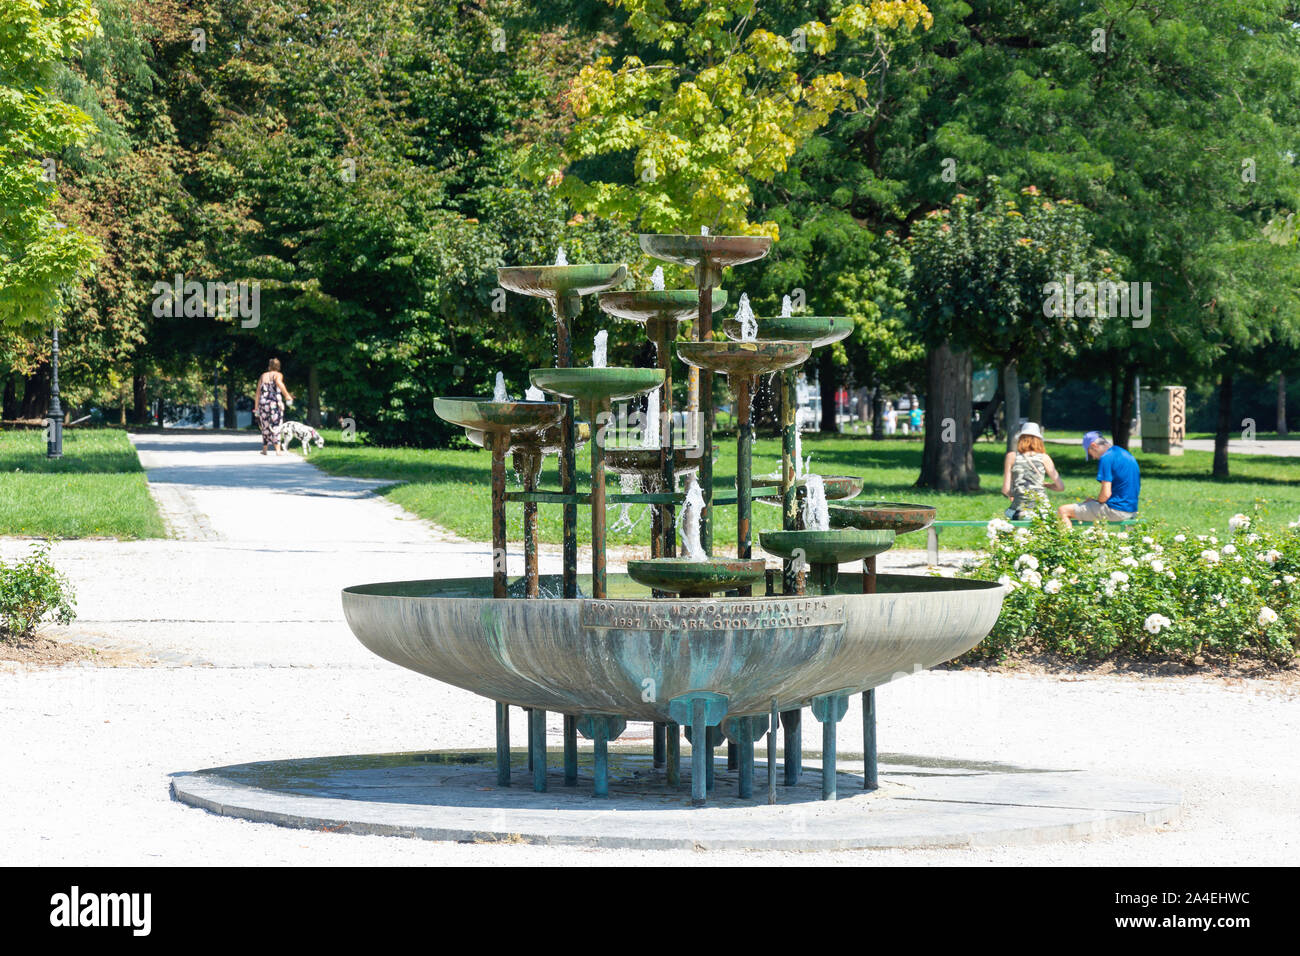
(1143, 591)
(32, 593)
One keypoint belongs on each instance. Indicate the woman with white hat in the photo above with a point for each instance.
(1025, 473)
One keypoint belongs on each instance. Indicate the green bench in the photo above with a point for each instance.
(932, 533)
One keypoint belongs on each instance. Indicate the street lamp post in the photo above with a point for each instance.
(54, 439)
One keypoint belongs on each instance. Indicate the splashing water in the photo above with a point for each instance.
(628, 484)
(534, 394)
(560, 258)
(657, 279)
(798, 453)
(787, 308)
(704, 230)
(650, 432)
(499, 390)
(599, 349)
(688, 522)
(816, 515)
(745, 316)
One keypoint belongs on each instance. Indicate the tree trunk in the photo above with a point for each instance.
(1011, 398)
(826, 386)
(9, 406)
(878, 411)
(1282, 405)
(313, 397)
(1036, 390)
(36, 394)
(948, 465)
(1224, 427)
(1127, 408)
(232, 419)
(1114, 398)
(139, 400)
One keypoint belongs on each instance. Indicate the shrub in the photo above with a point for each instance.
(1143, 592)
(32, 593)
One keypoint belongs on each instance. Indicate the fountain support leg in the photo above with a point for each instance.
(869, 575)
(789, 497)
(660, 743)
(774, 720)
(870, 764)
(703, 712)
(665, 333)
(792, 722)
(570, 750)
(733, 756)
(704, 333)
(745, 745)
(674, 754)
(528, 463)
(699, 754)
(597, 505)
(500, 442)
(567, 307)
(600, 729)
(744, 472)
(537, 747)
(829, 709)
(503, 744)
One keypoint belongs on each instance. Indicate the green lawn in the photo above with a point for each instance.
(97, 489)
(452, 488)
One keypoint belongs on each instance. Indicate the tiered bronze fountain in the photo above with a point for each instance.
(659, 644)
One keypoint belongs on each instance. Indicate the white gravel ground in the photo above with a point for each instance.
(233, 649)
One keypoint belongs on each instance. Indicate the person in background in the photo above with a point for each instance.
(270, 408)
(1025, 472)
(1121, 483)
(891, 419)
(917, 417)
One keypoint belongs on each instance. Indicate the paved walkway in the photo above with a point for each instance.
(1282, 448)
(230, 647)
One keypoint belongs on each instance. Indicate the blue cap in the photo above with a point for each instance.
(1088, 439)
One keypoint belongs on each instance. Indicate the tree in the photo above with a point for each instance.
(38, 254)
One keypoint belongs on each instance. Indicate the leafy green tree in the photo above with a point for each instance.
(38, 253)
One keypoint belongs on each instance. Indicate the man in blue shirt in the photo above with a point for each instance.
(1120, 479)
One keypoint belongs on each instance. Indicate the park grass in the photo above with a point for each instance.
(452, 487)
(97, 490)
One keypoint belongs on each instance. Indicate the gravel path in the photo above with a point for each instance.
(232, 647)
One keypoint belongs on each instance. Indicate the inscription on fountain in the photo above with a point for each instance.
(712, 616)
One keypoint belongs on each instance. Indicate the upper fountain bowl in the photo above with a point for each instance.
(827, 547)
(596, 384)
(896, 516)
(815, 330)
(717, 251)
(835, 486)
(485, 415)
(644, 305)
(697, 577)
(735, 359)
(558, 281)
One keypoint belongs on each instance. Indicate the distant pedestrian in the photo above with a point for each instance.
(1121, 483)
(270, 408)
(1025, 472)
(918, 417)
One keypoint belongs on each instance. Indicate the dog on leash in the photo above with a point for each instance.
(297, 431)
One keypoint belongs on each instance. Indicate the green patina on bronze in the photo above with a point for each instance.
(895, 516)
(827, 547)
(696, 578)
(486, 415)
(743, 359)
(553, 281)
(645, 461)
(592, 385)
(814, 330)
(658, 306)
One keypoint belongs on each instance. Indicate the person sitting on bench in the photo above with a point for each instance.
(1120, 479)
(1025, 472)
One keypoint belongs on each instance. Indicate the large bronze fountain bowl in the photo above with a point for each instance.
(815, 330)
(584, 656)
(896, 516)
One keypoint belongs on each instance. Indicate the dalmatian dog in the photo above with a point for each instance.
(297, 431)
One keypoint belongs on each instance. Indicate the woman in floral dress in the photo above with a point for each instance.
(270, 409)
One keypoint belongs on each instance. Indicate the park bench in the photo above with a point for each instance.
(932, 533)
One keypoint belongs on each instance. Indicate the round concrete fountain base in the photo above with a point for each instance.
(453, 795)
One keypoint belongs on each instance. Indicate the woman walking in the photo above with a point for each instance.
(270, 409)
(1025, 472)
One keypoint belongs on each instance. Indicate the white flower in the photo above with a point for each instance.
(1052, 587)
(1157, 566)
(1180, 538)
(1128, 561)
(1058, 571)
(1170, 575)
(1272, 556)
(1149, 556)
(1238, 522)
(1027, 561)
(1229, 548)
(1147, 539)
(1007, 582)
(1266, 616)
(1123, 535)
(998, 526)
(1119, 577)
(1211, 557)
(1245, 580)
(1022, 534)
(1252, 538)
(1030, 577)
(1289, 578)
(1213, 540)
(1155, 623)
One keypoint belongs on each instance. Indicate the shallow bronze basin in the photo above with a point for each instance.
(645, 461)
(486, 415)
(816, 330)
(837, 487)
(739, 359)
(553, 281)
(837, 546)
(894, 516)
(596, 384)
(643, 305)
(689, 250)
(697, 578)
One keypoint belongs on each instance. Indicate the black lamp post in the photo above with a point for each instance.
(54, 442)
